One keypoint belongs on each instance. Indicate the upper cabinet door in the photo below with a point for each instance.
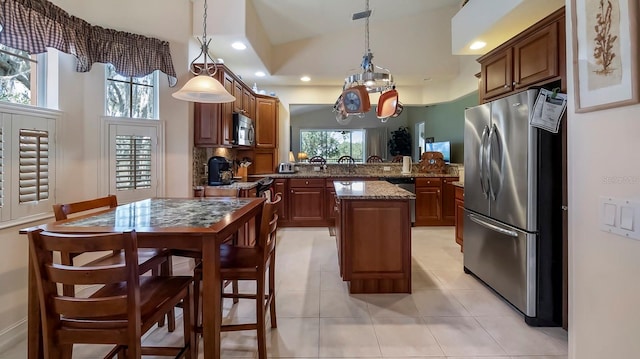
(227, 111)
(266, 122)
(536, 57)
(497, 76)
(206, 120)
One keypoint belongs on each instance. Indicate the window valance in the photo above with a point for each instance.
(34, 25)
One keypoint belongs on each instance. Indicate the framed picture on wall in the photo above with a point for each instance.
(605, 53)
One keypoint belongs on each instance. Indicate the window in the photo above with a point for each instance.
(133, 162)
(133, 159)
(333, 144)
(132, 97)
(27, 164)
(33, 165)
(18, 80)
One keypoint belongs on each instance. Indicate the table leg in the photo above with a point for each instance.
(211, 296)
(34, 329)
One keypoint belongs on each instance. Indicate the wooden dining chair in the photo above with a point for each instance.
(158, 261)
(122, 309)
(374, 159)
(250, 263)
(397, 159)
(346, 159)
(317, 160)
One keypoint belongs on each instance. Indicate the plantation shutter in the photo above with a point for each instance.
(133, 162)
(33, 165)
(1, 167)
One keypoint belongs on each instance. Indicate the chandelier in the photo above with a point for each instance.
(203, 87)
(354, 99)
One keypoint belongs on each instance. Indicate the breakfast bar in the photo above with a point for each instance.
(373, 235)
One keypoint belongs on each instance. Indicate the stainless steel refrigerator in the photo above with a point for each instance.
(512, 198)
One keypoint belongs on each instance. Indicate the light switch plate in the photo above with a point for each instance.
(620, 216)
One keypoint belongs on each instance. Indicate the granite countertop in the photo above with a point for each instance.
(238, 185)
(370, 190)
(321, 174)
(458, 184)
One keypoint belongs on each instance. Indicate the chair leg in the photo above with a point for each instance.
(197, 280)
(234, 287)
(261, 333)
(190, 338)
(272, 290)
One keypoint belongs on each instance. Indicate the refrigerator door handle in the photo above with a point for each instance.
(484, 187)
(493, 227)
(493, 132)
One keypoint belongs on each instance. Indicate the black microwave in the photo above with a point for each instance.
(244, 133)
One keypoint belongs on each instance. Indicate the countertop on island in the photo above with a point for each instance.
(321, 174)
(239, 185)
(370, 190)
(458, 184)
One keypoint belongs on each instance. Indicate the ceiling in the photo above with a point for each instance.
(287, 39)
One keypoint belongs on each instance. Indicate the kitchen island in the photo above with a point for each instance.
(373, 235)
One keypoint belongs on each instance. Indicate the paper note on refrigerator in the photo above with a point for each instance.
(548, 110)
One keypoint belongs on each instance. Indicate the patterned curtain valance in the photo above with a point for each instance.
(34, 25)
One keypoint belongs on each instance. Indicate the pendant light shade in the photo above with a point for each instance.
(204, 88)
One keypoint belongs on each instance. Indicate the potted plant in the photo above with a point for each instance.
(400, 142)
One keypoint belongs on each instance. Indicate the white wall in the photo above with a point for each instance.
(81, 98)
(604, 153)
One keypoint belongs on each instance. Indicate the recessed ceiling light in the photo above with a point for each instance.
(305, 78)
(260, 74)
(478, 45)
(238, 45)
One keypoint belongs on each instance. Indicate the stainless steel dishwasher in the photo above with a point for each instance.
(409, 184)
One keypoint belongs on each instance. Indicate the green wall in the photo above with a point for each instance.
(444, 122)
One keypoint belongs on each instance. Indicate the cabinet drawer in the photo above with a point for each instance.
(428, 182)
(306, 182)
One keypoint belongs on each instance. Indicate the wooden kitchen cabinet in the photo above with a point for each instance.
(266, 122)
(227, 111)
(435, 201)
(264, 160)
(448, 201)
(536, 56)
(306, 202)
(459, 201)
(330, 206)
(428, 201)
(247, 234)
(207, 128)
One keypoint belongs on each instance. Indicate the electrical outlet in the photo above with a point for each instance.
(386, 168)
(316, 168)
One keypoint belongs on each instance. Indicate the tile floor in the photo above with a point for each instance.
(448, 315)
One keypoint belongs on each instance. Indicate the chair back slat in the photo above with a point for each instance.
(74, 243)
(61, 211)
(87, 275)
(87, 308)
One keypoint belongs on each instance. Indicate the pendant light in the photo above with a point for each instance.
(204, 87)
(354, 99)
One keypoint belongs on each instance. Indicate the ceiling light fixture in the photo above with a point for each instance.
(477, 45)
(239, 45)
(354, 99)
(203, 87)
(305, 79)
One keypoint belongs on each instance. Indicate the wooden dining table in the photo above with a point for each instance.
(200, 224)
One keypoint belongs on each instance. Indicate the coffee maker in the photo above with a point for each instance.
(216, 165)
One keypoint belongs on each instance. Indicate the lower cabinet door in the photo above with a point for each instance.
(307, 205)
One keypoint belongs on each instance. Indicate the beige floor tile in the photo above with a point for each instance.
(391, 305)
(482, 357)
(517, 338)
(422, 278)
(331, 281)
(297, 304)
(242, 344)
(348, 337)
(298, 280)
(463, 336)
(17, 351)
(457, 279)
(438, 303)
(404, 337)
(483, 302)
(294, 338)
(539, 357)
(336, 304)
